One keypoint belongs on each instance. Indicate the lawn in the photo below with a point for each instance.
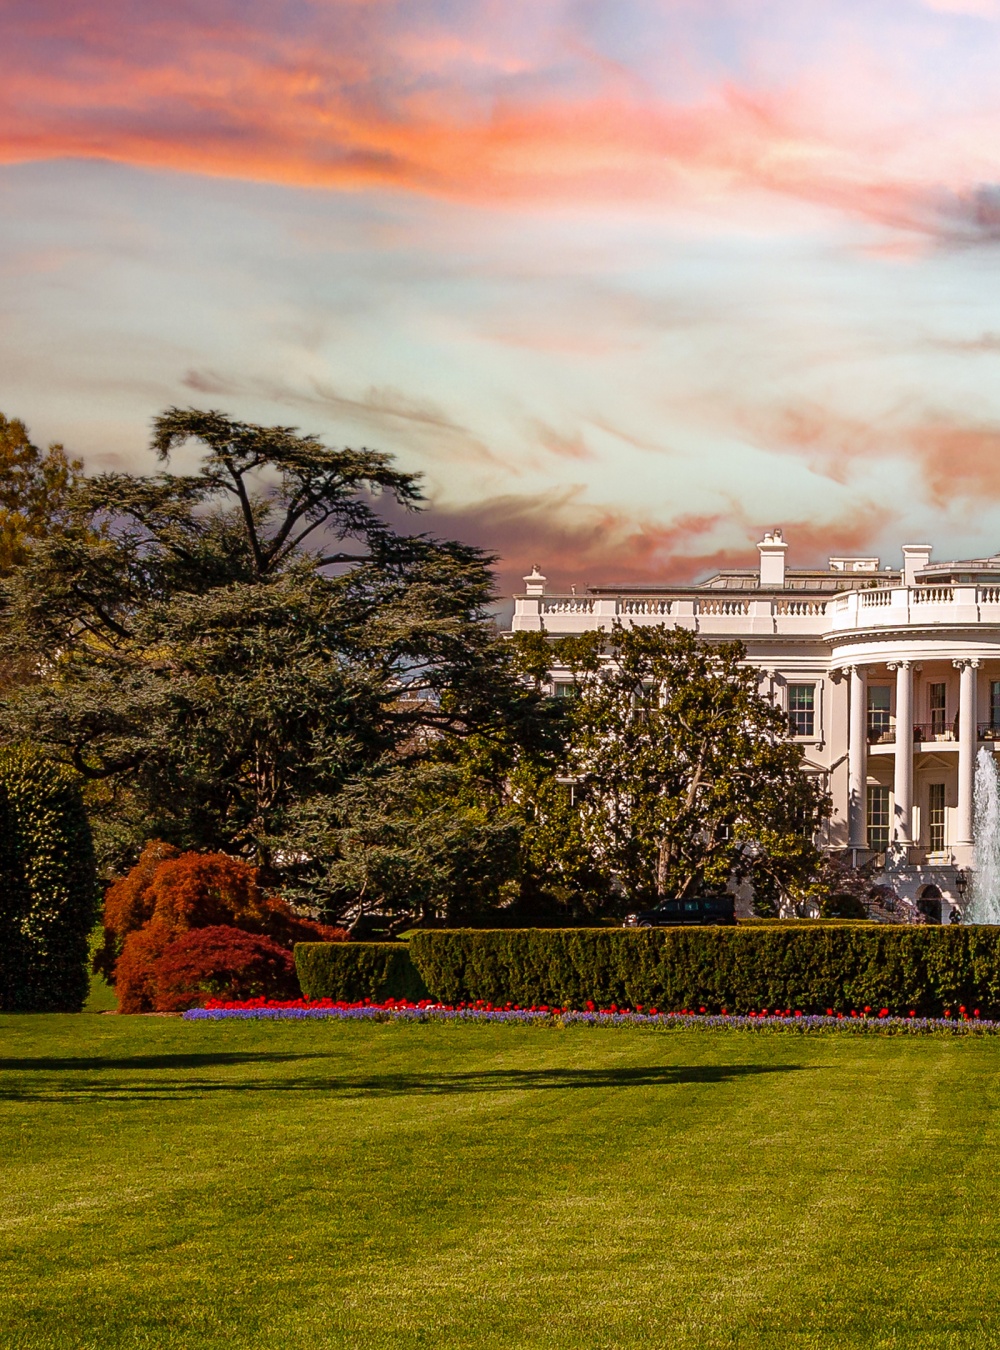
(292, 1186)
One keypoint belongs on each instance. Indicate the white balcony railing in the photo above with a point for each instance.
(718, 613)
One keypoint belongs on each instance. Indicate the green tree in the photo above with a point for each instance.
(222, 646)
(408, 843)
(48, 888)
(35, 486)
(688, 775)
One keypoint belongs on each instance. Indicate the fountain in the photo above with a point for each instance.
(984, 902)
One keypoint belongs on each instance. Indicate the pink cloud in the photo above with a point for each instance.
(502, 104)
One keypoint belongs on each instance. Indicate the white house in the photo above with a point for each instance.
(890, 678)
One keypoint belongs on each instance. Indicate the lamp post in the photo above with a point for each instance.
(961, 885)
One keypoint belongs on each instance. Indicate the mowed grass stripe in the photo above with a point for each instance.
(298, 1185)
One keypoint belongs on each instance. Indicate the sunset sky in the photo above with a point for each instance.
(627, 280)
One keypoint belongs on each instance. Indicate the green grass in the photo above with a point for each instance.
(304, 1186)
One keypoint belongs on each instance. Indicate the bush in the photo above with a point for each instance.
(810, 968)
(169, 893)
(353, 971)
(48, 886)
(223, 963)
(135, 970)
(128, 904)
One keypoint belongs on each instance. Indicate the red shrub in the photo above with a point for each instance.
(202, 890)
(135, 982)
(221, 962)
(128, 904)
(168, 894)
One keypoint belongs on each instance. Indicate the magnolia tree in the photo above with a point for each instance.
(688, 777)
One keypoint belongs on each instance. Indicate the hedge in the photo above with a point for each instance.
(851, 966)
(353, 971)
(48, 885)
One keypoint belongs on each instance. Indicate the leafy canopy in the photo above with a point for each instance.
(223, 646)
(690, 779)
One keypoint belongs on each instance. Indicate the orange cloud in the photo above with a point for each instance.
(361, 98)
(575, 544)
(959, 462)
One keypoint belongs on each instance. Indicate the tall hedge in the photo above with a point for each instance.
(48, 886)
(353, 971)
(925, 969)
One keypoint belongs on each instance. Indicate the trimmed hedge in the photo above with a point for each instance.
(926, 969)
(48, 885)
(350, 972)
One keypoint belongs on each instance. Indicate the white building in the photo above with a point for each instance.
(890, 678)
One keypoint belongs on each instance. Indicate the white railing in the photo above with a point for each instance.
(800, 607)
(644, 606)
(750, 613)
(729, 608)
(568, 606)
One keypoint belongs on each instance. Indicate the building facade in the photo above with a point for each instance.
(890, 679)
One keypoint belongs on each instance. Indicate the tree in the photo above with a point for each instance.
(407, 842)
(222, 646)
(35, 486)
(688, 775)
(48, 886)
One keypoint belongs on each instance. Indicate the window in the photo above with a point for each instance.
(994, 704)
(566, 690)
(935, 817)
(878, 712)
(939, 716)
(802, 709)
(878, 819)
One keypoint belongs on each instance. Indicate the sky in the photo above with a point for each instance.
(627, 281)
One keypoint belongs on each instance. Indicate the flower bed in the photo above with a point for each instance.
(961, 1022)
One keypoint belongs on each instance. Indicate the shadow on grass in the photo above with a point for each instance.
(382, 1085)
(58, 1064)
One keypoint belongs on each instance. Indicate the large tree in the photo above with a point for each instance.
(688, 775)
(220, 647)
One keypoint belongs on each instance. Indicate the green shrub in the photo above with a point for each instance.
(803, 966)
(48, 886)
(350, 972)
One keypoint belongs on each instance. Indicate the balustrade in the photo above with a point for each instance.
(877, 607)
(727, 607)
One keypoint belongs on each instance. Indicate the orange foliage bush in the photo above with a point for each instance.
(127, 902)
(135, 973)
(169, 893)
(221, 962)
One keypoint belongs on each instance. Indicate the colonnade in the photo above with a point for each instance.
(857, 754)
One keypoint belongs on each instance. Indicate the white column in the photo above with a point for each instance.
(902, 820)
(966, 749)
(857, 760)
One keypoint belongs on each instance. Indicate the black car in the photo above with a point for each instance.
(696, 910)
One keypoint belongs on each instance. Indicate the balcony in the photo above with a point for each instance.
(733, 614)
(914, 607)
(926, 733)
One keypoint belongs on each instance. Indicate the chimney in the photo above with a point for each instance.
(534, 583)
(915, 557)
(772, 559)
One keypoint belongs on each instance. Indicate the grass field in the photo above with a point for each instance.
(171, 1184)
